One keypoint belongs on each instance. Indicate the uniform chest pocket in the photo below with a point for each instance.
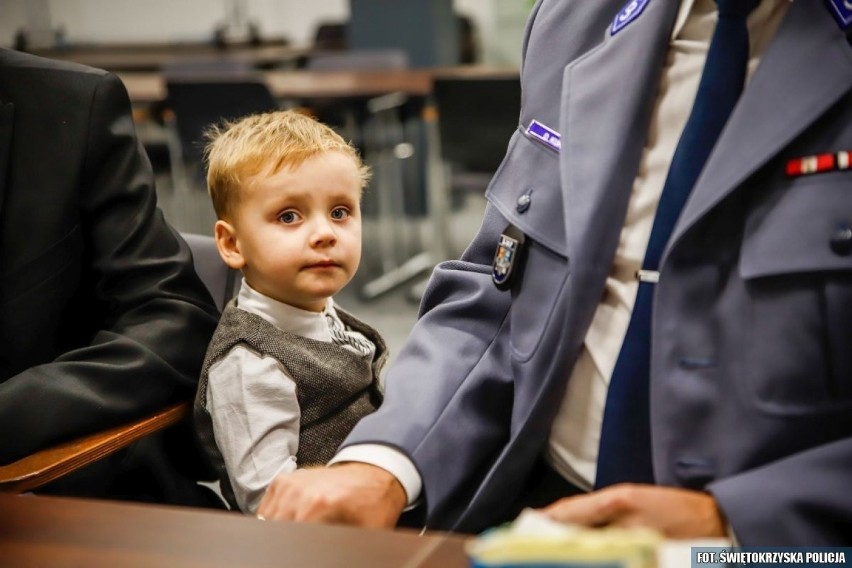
(796, 262)
(801, 231)
(527, 192)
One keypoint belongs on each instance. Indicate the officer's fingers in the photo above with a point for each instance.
(581, 510)
(337, 505)
(353, 494)
(595, 509)
(278, 503)
(318, 506)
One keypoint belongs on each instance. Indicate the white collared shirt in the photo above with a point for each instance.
(252, 399)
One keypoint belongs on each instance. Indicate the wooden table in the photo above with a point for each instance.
(51, 531)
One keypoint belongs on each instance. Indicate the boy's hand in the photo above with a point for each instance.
(677, 513)
(351, 493)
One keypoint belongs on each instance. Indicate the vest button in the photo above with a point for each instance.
(841, 241)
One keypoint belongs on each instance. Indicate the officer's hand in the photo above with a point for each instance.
(677, 513)
(351, 493)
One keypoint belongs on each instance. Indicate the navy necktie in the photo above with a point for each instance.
(625, 445)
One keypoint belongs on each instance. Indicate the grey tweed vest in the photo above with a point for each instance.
(335, 387)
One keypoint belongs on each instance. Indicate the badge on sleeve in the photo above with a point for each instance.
(627, 14)
(842, 12)
(507, 257)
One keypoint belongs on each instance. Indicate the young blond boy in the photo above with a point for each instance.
(287, 374)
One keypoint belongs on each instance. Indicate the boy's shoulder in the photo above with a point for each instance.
(237, 322)
(237, 326)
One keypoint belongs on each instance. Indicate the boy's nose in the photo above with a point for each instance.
(323, 234)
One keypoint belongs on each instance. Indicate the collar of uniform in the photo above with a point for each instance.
(285, 317)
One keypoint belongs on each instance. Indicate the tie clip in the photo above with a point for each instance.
(649, 276)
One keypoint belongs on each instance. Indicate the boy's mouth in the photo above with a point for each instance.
(323, 264)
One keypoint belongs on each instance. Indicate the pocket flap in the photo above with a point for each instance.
(530, 168)
(794, 234)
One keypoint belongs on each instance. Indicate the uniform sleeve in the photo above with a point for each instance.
(452, 380)
(389, 459)
(255, 413)
(801, 500)
(152, 315)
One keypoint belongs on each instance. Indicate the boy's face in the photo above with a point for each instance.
(296, 234)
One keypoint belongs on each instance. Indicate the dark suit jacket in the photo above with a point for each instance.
(751, 366)
(102, 317)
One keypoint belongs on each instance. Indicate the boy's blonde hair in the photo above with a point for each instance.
(241, 149)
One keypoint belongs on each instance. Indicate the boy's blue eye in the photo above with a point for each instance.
(288, 217)
(339, 213)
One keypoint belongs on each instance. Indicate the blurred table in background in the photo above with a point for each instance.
(150, 87)
(153, 57)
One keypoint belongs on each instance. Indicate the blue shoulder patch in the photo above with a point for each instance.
(842, 12)
(627, 14)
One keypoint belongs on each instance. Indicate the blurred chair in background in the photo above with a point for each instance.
(330, 36)
(201, 93)
(349, 114)
(476, 118)
(469, 51)
(383, 128)
(222, 281)
(164, 150)
(197, 103)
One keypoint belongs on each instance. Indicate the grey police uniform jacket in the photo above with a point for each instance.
(335, 386)
(751, 386)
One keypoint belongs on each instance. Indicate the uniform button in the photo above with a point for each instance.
(523, 202)
(841, 241)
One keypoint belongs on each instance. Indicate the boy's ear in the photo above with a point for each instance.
(226, 242)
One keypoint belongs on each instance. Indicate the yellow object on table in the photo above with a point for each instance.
(535, 541)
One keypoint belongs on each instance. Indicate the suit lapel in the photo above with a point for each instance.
(6, 115)
(806, 69)
(607, 102)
